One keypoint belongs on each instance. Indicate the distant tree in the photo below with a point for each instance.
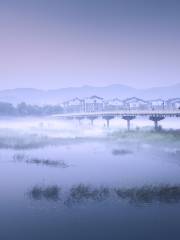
(7, 109)
(23, 109)
(49, 109)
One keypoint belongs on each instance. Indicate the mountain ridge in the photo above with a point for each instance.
(56, 96)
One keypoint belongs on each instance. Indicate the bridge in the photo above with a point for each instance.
(127, 115)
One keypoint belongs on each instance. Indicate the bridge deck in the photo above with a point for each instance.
(165, 113)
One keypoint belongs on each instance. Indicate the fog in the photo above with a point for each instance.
(54, 127)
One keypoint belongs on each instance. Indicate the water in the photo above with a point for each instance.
(90, 187)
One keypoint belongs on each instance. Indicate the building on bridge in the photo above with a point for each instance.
(93, 104)
(173, 103)
(114, 104)
(157, 104)
(74, 105)
(136, 104)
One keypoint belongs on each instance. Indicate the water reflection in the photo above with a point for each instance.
(44, 162)
(176, 154)
(82, 193)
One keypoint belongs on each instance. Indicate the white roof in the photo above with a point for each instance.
(115, 102)
(75, 101)
(94, 99)
(157, 101)
(135, 100)
(174, 100)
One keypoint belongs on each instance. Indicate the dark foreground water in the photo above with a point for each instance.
(90, 189)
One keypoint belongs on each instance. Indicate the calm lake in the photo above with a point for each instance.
(83, 183)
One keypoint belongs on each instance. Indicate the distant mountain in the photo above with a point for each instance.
(36, 96)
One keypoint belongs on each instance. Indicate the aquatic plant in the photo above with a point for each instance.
(149, 194)
(121, 152)
(84, 193)
(48, 193)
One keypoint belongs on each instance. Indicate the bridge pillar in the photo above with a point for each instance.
(156, 119)
(108, 118)
(128, 119)
(92, 118)
(70, 118)
(79, 118)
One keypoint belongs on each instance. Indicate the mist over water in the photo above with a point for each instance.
(69, 180)
(50, 126)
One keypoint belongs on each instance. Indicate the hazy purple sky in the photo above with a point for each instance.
(54, 43)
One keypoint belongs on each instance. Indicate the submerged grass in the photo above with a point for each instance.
(117, 152)
(43, 162)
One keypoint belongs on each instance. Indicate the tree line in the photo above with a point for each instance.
(23, 109)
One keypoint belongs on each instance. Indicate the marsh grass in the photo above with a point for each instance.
(160, 137)
(10, 139)
(25, 141)
(20, 141)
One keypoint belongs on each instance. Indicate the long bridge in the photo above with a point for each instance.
(127, 115)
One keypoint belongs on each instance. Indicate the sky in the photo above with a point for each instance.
(49, 44)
